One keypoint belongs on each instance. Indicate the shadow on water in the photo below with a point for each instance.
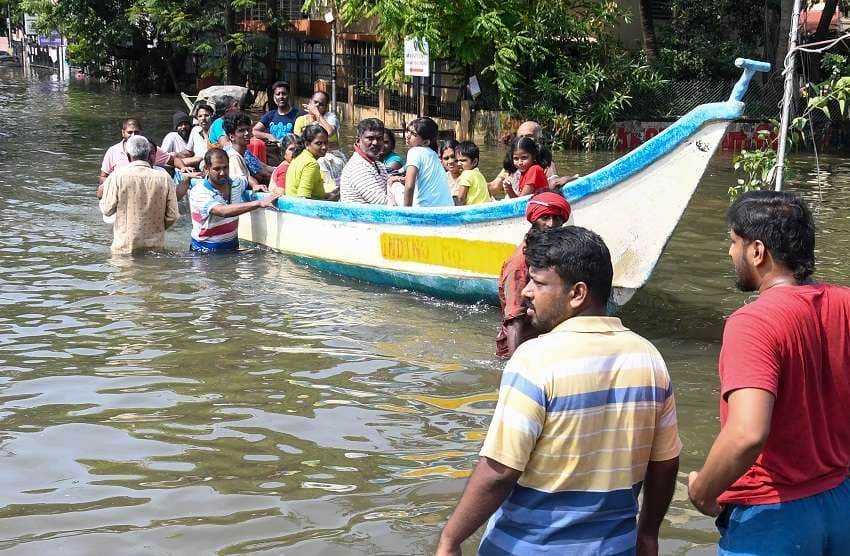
(244, 403)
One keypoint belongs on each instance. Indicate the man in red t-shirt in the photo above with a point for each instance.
(777, 474)
(544, 211)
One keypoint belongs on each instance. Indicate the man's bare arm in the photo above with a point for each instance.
(658, 487)
(260, 132)
(489, 485)
(736, 448)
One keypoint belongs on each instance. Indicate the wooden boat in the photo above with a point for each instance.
(634, 203)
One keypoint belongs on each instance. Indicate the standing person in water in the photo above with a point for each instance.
(544, 211)
(425, 182)
(776, 476)
(531, 160)
(217, 202)
(585, 421)
(304, 178)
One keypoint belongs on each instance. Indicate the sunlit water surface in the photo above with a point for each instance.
(175, 404)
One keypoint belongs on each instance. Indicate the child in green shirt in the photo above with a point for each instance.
(471, 185)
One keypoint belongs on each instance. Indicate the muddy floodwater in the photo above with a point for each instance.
(176, 404)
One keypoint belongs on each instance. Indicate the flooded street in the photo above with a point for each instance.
(177, 404)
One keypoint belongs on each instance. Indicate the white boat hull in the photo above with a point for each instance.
(634, 203)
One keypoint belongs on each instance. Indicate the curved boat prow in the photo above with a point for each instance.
(750, 67)
(636, 202)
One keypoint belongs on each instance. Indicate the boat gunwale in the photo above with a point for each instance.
(600, 180)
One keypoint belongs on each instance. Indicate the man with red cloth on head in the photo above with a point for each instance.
(544, 211)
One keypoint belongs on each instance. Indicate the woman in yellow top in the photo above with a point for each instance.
(303, 178)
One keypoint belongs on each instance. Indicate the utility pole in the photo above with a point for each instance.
(330, 19)
(789, 70)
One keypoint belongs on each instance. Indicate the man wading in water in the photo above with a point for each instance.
(573, 492)
(777, 475)
(544, 211)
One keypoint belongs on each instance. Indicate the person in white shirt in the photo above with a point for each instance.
(175, 142)
(198, 142)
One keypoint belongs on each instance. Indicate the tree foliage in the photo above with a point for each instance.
(156, 35)
(555, 60)
(703, 37)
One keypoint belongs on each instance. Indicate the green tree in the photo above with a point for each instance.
(152, 37)
(703, 37)
(554, 59)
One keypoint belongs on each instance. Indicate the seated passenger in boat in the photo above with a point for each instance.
(505, 180)
(216, 204)
(392, 161)
(424, 182)
(177, 141)
(364, 178)
(218, 137)
(243, 164)
(449, 162)
(304, 177)
(530, 160)
(544, 211)
(471, 185)
(292, 146)
(116, 156)
(332, 163)
(197, 145)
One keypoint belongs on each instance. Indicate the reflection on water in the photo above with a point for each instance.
(242, 403)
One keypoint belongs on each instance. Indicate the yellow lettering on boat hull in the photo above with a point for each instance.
(483, 257)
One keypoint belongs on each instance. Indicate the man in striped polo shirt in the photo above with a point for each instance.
(585, 419)
(217, 202)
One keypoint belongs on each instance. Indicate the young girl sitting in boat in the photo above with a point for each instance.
(292, 147)
(531, 159)
(425, 181)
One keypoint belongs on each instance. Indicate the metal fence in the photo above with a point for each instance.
(304, 61)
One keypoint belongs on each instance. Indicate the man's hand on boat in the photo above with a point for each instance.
(269, 200)
(561, 181)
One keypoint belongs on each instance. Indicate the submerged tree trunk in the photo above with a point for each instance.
(648, 26)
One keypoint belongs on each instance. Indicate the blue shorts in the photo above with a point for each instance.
(815, 526)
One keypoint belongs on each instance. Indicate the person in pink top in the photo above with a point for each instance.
(777, 474)
(116, 155)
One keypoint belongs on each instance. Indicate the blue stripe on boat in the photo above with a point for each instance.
(460, 289)
(600, 180)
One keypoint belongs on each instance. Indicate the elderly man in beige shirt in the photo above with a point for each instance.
(142, 200)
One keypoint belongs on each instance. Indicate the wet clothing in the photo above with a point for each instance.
(811, 526)
(582, 410)
(144, 205)
(512, 280)
(211, 232)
